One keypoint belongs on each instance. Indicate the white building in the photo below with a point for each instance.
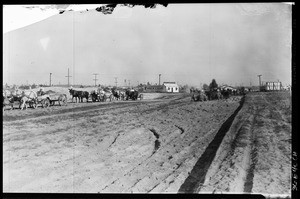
(170, 87)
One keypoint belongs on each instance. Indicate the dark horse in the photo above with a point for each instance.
(131, 94)
(79, 94)
(213, 94)
(226, 93)
(116, 94)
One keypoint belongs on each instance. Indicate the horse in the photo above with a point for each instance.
(95, 96)
(105, 95)
(28, 96)
(213, 94)
(62, 98)
(23, 102)
(122, 95)
(17, 93)
(116, 94)
(76, 94)
(84, 94)
(216, 94)
(198, 96)
(226, 93)
(8, 101)
(6, 93)
(131, 94)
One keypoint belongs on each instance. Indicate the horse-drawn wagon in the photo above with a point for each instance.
(50, 99)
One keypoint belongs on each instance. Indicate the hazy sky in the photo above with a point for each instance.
(186, 43)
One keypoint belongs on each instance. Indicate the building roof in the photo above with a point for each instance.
(227, 87)
(170, 84)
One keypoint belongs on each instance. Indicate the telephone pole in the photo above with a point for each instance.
(50, 78)
(116, 81)
(95, 78)
(68, 77)
(129, 82)
(159, 79)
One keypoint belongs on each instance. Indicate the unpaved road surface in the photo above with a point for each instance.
(255, 155)
(167, 144)
(132, 146)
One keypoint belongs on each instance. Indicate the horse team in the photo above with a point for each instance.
(102, 95)
(21, 97)
(32, 99)
(215, 94)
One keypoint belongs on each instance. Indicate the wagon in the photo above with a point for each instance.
(50, 99)
(141, 96)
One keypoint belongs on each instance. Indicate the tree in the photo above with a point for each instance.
(213, 85)
(205, 87)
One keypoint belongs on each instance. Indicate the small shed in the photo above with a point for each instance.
(170, 87)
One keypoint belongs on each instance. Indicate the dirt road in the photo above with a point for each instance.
(255, 155)
(167, 144)
(134, 146)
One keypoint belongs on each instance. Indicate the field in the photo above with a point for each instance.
(164, 143)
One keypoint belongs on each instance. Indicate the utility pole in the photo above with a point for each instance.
(259, 80)
(95, 78)
(116, 81)
(159, 79)
(68, 77)
(50, 79)
(129, 82)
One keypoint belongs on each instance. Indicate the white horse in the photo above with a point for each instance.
(28, 96)
(105, 95)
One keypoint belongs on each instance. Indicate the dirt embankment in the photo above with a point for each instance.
(255, 155)
(141, 146)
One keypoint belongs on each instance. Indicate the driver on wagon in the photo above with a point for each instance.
(41, 92)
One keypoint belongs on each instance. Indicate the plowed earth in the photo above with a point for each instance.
(166, 144)
(255, 155)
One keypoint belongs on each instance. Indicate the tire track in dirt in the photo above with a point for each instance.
(198, 173)
(73, 111)
(252, 158)
(157, 142)
(147, 161)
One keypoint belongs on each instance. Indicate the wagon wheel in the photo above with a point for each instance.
(45, 103)
(52, 103)
(141, 96)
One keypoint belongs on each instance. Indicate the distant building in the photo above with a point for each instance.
(225, 87)
(170, 87)
(166, 87)
(153, 88)
(271, 86)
